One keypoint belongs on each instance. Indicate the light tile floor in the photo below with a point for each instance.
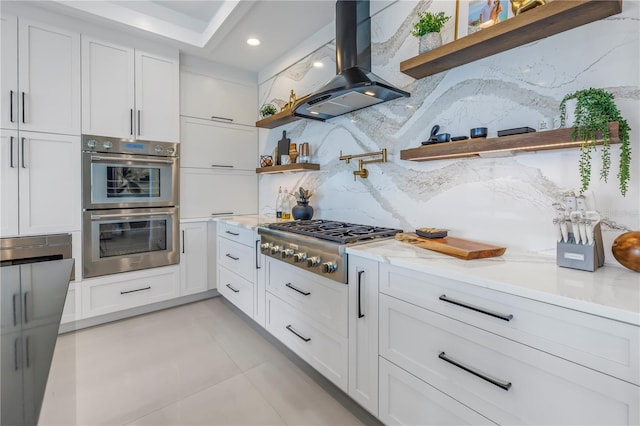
(197, 364)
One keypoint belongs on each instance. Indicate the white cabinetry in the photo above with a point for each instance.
(193, 258)
(40, 183)
(363, 332)
(40, 77)
(129, 93)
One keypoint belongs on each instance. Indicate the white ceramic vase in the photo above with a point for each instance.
(429, 42)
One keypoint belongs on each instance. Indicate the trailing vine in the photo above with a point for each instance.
(595, 108)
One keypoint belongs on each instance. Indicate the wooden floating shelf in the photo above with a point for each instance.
(277, 120)
(296, 167)
(535, 24)
(494, 147)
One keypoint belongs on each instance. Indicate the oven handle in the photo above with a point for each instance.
(127, 215)
(137, 160)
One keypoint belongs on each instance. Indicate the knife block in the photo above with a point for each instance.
(581, 256)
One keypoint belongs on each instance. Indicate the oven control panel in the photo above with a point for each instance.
(92, 143)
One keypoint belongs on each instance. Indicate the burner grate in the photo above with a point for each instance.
(339, 232)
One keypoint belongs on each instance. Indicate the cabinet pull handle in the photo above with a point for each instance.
(26, 314)
(11, 106)
(138, 289)
(15, 312)
(499, 383)
(139, 123)
(213, 117)
(232, 289)
(257, 254)
(23, 119)
(232, 257)
(24, 165)
(503, 317)
(232, 233)
(131, 121)
(222, 214)
(11, 164)
(360, 314)
(183, 241)
(16, 365)
(26, 349)
(223, 166)
(305, 293)
(306, 339)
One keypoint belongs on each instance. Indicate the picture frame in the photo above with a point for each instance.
(476, 15)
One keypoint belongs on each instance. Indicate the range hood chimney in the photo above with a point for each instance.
(355, 86)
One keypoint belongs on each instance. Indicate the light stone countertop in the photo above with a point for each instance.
(610, 291)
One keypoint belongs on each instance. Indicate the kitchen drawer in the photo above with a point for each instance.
(322, 348)
(236, 290)
(530, 386)
(116, 292)
(238, 258)
(595, 342)
(237, 233)
(320, 299)
(407, 400)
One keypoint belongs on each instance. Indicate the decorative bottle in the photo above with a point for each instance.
(285, 205)
(279, 204)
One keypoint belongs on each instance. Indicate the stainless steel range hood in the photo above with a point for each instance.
(355, 86)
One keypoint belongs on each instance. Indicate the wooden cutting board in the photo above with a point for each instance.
(457, 247)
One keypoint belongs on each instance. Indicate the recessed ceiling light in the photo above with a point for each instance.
(318, 64)
(370, 93)
(253, 42)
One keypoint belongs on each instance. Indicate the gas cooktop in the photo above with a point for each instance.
(339, 232)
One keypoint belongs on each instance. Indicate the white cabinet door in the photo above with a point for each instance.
(193, 258)
(206, 193)
(107, 89)
(9, 145)
(363, 332)
(210, 144)
(49, 79)
(157, 97)
(9, 72)
(49, 181)
(210, 98)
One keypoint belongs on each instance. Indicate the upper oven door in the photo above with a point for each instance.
(126, 181)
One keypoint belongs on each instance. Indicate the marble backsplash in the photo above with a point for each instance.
(503, 200)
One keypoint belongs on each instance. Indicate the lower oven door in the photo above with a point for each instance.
(129, 239)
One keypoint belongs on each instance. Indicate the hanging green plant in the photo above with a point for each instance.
(594, 110)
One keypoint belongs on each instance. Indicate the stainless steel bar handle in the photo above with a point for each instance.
(126, 215)
(11, 106)
(24, 164)
(134, 160)
(26, 313)
(222, 166)
(232, 257)
(136, 290)
(306, 339)
(139, 123)
(232, 233)
(131, 121)
(499, 383)
(258, 254)
(292, 287)
(11, 164)
(23, 118)
(499, 315)
(360, 314)
(222, 214)
(213, 117)
(183, 241)
(15, 312)
(232, 289)
(26, 350)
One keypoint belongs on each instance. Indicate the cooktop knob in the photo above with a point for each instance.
(107, 144)
(313, 261)
(264, 246)
(91, 143)
(299, 257)
(286, 252)
(329, 267)
(275, 249)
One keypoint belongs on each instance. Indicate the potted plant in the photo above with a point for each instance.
(268, 110)
(594, 109)
(427, 29)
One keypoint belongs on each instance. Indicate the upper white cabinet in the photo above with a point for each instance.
(40, 77)
(129, 93)
(216, 99)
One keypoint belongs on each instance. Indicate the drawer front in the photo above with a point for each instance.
(407, 400)
(123, 291)
(237, 258)
(322, 348)
(595, 342)
(505, 381)
(320, 299)
(236, 233)
(236, 290)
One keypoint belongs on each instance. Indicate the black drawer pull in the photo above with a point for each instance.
(503, 317)
(15, 312)
(232, 257)
(213, 117)
(222, 214)
(232, 233)
(138, 289)
(360, 314)
(26, 312)
(233, 289)
(306, 293)
(306, 339)
(11, 106)
(501, 384)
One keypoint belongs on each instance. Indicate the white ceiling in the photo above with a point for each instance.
(215, 29)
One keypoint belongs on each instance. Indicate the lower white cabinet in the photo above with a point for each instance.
(236, 290)
(193, 258)
(111, 293)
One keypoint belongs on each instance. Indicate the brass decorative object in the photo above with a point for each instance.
(266, 161)
(362, 172)
(292, 100)
(293, 152)
(519, 6)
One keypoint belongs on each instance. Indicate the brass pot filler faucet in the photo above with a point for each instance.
(362, 172)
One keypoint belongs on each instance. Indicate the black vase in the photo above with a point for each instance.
(303, 211)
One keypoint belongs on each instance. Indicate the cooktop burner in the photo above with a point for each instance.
(339, 232)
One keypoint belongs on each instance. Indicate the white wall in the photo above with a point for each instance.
(505, 200)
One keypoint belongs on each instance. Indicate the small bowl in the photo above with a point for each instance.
(478, 132)
(443, 137)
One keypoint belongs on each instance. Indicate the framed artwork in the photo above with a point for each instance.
(475, 15)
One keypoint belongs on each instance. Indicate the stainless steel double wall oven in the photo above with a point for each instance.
(130, 198)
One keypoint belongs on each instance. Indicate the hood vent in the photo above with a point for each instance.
(355, 86)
